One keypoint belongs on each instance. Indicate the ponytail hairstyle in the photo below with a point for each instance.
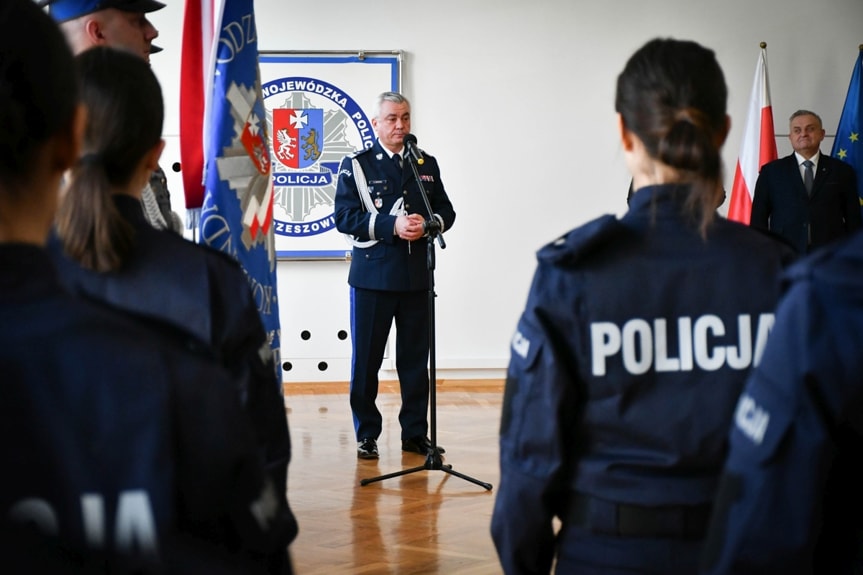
(38, 89)
(672, 95)
(124, 123)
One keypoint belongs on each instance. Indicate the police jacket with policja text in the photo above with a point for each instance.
(626, 365)
(790, 501)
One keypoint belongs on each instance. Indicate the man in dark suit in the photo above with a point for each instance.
(808, 198)
(379, 206)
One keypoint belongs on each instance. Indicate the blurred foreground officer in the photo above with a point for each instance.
(634, 345)
(791, 501)
(120, 453)
(106, 251)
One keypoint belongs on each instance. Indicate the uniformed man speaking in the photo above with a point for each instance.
(379, 205)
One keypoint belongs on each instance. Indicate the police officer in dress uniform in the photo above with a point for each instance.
(378, 204)
(154, 274)
(790, 501)
(634, 344)
(122, 451)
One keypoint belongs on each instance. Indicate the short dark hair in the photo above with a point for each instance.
(38, 88)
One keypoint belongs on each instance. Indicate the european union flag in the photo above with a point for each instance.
(847, 144)
(237, 213)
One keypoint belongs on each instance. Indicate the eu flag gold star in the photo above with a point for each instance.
(853, 137)
(842, 154)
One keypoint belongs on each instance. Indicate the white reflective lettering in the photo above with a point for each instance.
(93, 514)
(751, 419)
(684, 336)
(740, 356)
(520, 344)
(702, 343)
(637, 337)
(136, 526)
(604, 342)
(765, 324)
(663, 362)
(703, 358)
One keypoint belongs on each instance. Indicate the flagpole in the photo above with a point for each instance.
(758, 145)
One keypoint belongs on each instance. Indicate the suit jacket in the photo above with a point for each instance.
(390, 264)
(782, 206)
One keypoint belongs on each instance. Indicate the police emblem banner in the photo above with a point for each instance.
(319, 109)
(237, 210)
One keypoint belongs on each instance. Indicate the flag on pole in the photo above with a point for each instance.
(237, 209)
(759, 143)
(195, 69)
(847, 144)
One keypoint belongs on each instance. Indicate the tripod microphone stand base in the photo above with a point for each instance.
(434, 462)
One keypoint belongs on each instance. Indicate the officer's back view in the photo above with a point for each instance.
(120, 454)
(791, 500)
(634, 344)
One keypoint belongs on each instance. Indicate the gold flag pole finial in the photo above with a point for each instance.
(763, 45)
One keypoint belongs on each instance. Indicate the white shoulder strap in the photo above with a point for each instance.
(366, 198)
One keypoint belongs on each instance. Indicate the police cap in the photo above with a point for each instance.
(63, 10)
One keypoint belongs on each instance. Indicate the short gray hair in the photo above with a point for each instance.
(394, 97)
(806, 113)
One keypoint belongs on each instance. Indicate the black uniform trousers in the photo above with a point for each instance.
(372, 314)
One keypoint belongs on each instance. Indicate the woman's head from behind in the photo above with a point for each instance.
(122, 144)
(672, 97)
(39, 112)
(124, 111)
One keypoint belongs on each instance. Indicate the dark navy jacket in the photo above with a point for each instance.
(111, 440)
(780, 202)
(791, 499)
(204, 293)
(625, 368)
(391, 264)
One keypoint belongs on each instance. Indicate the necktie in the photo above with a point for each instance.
(808, 177)
(398, 160)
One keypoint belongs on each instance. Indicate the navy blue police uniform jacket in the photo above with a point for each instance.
(205, 294)
(119, 451)
(384, 261)
(625, 368)
(791, 499)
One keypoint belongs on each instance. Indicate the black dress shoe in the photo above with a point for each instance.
(419, 444)
(367, 449)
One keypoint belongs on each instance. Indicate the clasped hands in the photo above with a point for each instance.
(410, 226)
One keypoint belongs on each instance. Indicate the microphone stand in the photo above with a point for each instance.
(434, 459)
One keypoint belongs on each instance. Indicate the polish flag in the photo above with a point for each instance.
(196, 70)
(759, 144)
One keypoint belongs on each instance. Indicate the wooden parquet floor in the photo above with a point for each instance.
(421, 523)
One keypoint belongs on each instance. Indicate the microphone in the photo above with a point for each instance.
(411, 144)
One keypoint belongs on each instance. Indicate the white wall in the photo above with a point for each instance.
(516, 102)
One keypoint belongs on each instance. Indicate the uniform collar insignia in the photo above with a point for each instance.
(380, 156)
